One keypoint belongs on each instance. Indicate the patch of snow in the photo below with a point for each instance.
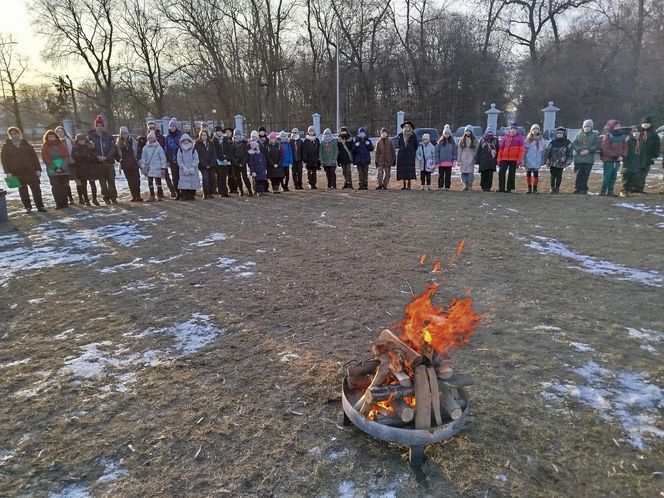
(322, 224)
(647, 337)
(338, 455)
(72, 491)
(209, 241)
(346, 489)
(627, 397)
(314, 452)
(595, 266)
(191, 335)
(114, 269)
(15, 363)
(545, 327)
(241, 270)
(36, 301)
(155, 261)
(581, 347)
(500, 478)
(644, 208)
(5, 455)
(63, 335)
(112, 471)
(226, 262)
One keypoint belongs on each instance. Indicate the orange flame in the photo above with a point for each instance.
(382, 407)
(437, 267)
(441, 329)
(410, 401)
(423, 258)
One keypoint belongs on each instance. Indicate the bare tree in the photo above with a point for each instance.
(81, 30)
(12, 67)
(146, 34)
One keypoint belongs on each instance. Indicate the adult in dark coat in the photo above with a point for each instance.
(83, 153)
(345, 157)
(126, 155)
(207, 162)
(223, 151)
(406, 155)
(20, 160)
(652, 145)
(487, 159)
(239, 162)
(274, 161)
(296, 148)
(310, 153)
(105, 149)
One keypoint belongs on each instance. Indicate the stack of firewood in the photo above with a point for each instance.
(404, 387)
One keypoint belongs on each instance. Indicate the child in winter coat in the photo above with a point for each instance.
(533, 157)
(56, 158)
(386, 158)
(510, 156)
(187, 159)
(207, 161)
(362, 148)
(286, 159)
(274, 161)
(652, 148)
(558, 156)
(329, 151)
(633, 162)
(466, 161)
(296, 150)
(446, 155)
(585, 145)
(426, 160)
(257, 165)
(83, 153)
(310, 155)
(614, 149)
(486, 159)
(125, 154)
(154, 165)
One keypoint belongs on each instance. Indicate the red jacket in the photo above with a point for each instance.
(613, 151)
(511, 149)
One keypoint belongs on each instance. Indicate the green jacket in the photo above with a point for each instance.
(586, 141)
(637, 157)
(328, 153)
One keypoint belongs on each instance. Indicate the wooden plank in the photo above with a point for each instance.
(422, 398)
(435, 397)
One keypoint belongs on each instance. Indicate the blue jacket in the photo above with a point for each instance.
(446, 153)
(257, 165)
(104, 145)
(172, 146)
(286, 154)
(362, 148)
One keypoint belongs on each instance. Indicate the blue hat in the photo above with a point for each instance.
(361, 130)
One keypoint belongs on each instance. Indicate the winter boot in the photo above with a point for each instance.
(534, 189)
(160, 194)
(603, 192)
(530, 189)
(94, 199)
(82, 194)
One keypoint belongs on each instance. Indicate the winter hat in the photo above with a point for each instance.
(361, 130)
(13, 129)
(488, 134)
(218, 128)
(468, 128)
(426, 136)
(237, 132)
(344, 128)
(408, 123)
(560, 129)
(513, 126)
(534, 128)
(272, 135)
(262, 128)
(311, 129)
(80, 136)
(152, 135)
(589, 122)
(253, 135)
(124, 129)
(647, 119)
(447, 130)
(283, 135)
(185, 137)
(173, 123)
(295, 131)
(99, 121)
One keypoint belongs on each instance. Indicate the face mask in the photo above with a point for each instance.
(186, 145)
(151, 140)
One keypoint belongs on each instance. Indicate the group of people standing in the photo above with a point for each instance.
(225, 161)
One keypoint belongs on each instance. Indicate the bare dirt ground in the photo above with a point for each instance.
(195, 349)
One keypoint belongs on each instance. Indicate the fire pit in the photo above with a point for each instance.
(409, 393)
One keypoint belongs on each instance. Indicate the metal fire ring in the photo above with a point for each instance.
(414, 438)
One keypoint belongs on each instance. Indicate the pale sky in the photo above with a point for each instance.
(14, 20)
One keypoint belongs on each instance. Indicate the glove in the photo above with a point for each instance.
(254, 175)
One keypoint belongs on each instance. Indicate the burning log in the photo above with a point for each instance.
(388, 341)
(381, 393)
(365, 403)
(406, 412)
(401, 376)
(423, 397)
(359, 375)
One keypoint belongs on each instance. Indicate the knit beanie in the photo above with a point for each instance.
(99, 121)
(447, 130)
(311, 129)
(237, 132)
(123, 129)
(295, 131)
(383, 129)
(253, 135)
(361, 130)
(173, 123)
(283, 135)
(589, 122)
(262, 128)
(647, 119)
(426, 136)
(272, 135)
(185, 137)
